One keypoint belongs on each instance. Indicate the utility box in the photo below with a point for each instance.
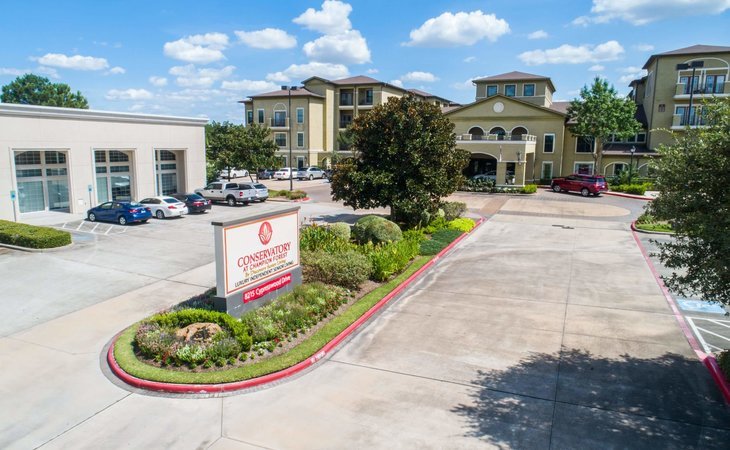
(256, 257)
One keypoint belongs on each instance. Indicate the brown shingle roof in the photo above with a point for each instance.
(561, 107)
(360, 79)
(301, 92)
(515, 75)
(692, 50)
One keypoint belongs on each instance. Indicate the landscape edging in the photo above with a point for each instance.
(180, 388)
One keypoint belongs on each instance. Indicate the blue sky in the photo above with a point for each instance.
(199, 58)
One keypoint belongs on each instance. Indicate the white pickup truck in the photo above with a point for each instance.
(231, 193)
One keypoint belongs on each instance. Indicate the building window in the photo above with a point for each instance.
(714, 84)
(280, 139)
(300, 140)
(583, 168)
(618, 168)
(279, 119)
(365, 97)
(641, 137)
(166, 155)
(346, 98)
(117, 156)
(548, 143)
(32, 157)
(662, 107)
(584, 144)
(547, 170)
(56, 172)
(261, 116)
(491, 90)
(528, 90)
(345, 120)
(249, 116)
(509, 90)
(55, 157)
(300, 115)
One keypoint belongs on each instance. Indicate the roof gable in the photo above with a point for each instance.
(502, 97)
(691, 50)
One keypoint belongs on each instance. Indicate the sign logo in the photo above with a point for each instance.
(265, 233)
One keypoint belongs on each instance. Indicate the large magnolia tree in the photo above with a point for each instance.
(231, 146)
(600, 113)
(693, 176)
(406, 160)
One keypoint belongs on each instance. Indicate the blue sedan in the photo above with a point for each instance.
(120, 212)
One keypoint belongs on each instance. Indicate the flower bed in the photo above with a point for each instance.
(647, 222)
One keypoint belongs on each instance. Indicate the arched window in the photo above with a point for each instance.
(477, 133)
(279, 119)
(517, 133)
(499, 131)
(167, 155)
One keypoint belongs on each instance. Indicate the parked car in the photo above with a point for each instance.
(194, 202)
(262, 192)
(234, 173)
(231, 193)
(585, 184)
(491, 175)
(283, 173)
(165, 206)
(266, 174)
(328, 174)
(120, 212)
(310, 173)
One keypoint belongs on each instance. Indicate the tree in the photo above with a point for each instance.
(599, 113)
(693, 179)
(231, 146)
(406, 159)
(31, 89)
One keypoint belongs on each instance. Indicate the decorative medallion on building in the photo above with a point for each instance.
(498, 107)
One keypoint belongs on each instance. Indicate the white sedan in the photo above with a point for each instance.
(234, 173)
(284, 173)
(164, 206)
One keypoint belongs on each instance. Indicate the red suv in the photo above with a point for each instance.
(585, 184)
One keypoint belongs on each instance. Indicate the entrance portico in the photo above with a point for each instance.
(510, 158)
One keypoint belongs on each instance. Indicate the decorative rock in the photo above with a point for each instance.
(199, 332)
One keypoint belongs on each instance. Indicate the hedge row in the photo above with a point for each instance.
(31, 236)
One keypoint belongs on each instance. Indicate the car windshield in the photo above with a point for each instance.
(259, 186)
(171, 200)
(283, 169)
(194, 197)
(135, 205)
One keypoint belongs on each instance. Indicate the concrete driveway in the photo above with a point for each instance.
(537, 332)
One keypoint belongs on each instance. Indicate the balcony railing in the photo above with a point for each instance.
(681, 120)
(277, 122)
(702, 89)
(497, 137)
(345, 123)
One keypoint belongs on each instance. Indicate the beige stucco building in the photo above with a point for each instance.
(310, 117)
(64, 159)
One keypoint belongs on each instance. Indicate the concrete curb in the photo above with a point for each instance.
(635, 197)
(637, 230)
(37, 250)
(285, 373)
(708, 360)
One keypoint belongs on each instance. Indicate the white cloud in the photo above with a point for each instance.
(469, 59)
(250, 85)
(631, 73)
(452, 30)
(268, 38)
(398, 83)
(198, 48)
(137, 107)
(331, 19)
(570, 54)
(300, 72)
(644, 47)
(596, 68)
(116, 71)
(158, 81)
(14, 72)
(467, 84)
(195, 95)
(48, 71)
(191, 76)
(419, 77)
(348, 47)
(129, 94)
(646, 11)
(75, 62)
(372, 71)
(539, 34)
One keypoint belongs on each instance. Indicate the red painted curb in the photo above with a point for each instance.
(285, 373)
(635, 197)
(708, 360)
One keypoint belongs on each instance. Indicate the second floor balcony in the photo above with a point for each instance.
(497, 137)
(279, 122)
(680, 121)
(709, 89)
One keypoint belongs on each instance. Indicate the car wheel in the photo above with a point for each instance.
(92, 217)
(311, 177)
(556, 188)
(122, 220)
(585, 192)
(159, 214)
(231, 201)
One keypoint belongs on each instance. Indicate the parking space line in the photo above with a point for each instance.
(698, 332)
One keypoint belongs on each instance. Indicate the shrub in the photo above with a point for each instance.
(341, 230)
(635, 189)
(529, 189)
(348, 269)
(185, 317)
(316, 237)
(439, 223)
(391, 258)
(723, 360)
(461, 224)
(291, 195)
(225, 347)
(416, 235)
(453, 210)
(439, 240)
(376, 229)
(31, 236)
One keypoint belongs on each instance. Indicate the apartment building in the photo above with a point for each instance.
(677, 84)
(310, 117)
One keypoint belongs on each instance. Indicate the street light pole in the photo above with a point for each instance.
(631, 164)
(694, 65)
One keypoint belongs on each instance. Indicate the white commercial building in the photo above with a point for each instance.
(64, 159)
